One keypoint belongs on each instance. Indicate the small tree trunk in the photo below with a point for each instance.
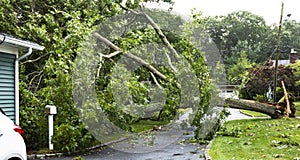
(271, 110)
(288, 109)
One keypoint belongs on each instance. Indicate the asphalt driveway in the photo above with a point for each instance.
(177, 150)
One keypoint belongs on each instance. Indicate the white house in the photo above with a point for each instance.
(229, 91)
(292, 59)
(10, 49)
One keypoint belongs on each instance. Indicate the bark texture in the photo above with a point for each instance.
(269, 109)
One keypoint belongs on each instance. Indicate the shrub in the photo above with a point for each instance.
(262, 77)
(33, 119)
(69, 139)
(260, 98)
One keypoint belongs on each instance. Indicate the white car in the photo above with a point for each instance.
(12, 145)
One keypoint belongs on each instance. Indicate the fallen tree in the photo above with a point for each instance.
(268, 109)
(274, 111)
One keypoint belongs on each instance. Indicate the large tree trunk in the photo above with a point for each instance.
(269, 109)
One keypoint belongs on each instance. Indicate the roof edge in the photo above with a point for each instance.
(21, 43)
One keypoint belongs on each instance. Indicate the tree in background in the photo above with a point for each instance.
(290, 38)
(261, 79)
(231, 31)
(238, 73)
(245, 32)
(296, 67)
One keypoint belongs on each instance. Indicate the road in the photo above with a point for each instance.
(236, 114)
(178, 150)
(168, 144)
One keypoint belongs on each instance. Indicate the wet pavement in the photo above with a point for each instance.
(236, 114)
(177, 150)
(169, 143)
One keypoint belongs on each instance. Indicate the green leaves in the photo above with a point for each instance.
(69, 138)
(260, 78)
(229, 31)
(238, 73)
(296, 68)
(61, 27)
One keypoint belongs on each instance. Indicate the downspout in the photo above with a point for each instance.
(17, 107)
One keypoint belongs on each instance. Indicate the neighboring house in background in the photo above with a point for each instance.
(292, 59)
(229, 91)
(9, 72)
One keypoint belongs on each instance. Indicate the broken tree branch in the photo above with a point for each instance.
(129, 55)
(273, 111)
(100, 65)
(170, 63)
(39, 82)
(33, 78)
(286, 97)
(155, 81)
(147, 65)
(161, 35)
(109, 43)
(34, 60)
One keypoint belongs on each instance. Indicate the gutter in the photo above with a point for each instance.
(21, 45)
(17, 97)
(18, 43)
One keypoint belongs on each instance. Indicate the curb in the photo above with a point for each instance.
(253, 117)
(206, 155)
(102, 145)
(245, 114)
(43, 156)
(46, 155)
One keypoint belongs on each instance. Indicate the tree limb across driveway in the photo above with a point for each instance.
(269, 109)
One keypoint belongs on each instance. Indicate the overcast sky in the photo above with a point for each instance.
(269, 9)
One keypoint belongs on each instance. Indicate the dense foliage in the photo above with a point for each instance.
(296, 67)
(238, 73)
(245, 33)
(121, 98)
(46, 76)
(239, 31)
(61, 26)
(260, 81)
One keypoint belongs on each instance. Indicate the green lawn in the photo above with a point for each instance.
(264, 139)
(257, 114)
(297, 105)
(253, 114)
(144, 125)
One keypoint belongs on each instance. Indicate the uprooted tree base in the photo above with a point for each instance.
(274, 111)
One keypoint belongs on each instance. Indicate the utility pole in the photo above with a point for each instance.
(277, 54)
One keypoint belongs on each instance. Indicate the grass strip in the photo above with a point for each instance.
(258, 139)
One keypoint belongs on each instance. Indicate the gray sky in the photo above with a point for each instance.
(269, 9)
